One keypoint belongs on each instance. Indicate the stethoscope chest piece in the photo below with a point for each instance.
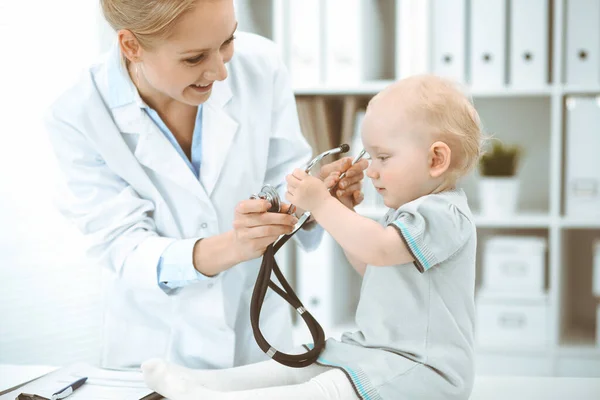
(270, 194)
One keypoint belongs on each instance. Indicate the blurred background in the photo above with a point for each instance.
(532, 68)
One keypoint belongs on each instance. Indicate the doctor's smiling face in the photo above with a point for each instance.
(187, 53)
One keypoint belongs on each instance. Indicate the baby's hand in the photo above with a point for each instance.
(305, 191)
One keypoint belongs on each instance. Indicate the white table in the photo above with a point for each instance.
(486, 387)
(530, 388)
(12, 375)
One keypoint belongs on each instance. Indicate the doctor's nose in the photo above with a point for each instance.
(216, 70)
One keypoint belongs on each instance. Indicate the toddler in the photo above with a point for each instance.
(416, 311)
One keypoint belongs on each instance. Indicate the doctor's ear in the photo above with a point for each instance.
(130, 46)
(439, 159)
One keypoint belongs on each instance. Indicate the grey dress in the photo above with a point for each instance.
(415, 321)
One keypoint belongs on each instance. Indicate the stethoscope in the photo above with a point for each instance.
(268, 265)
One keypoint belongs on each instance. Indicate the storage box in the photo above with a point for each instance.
(510, 322)
(514, 264)
(598, 325)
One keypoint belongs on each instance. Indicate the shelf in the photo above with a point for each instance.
(373, 87)
(573, 90)
(366, 88)
(578, 223)
(511, 92)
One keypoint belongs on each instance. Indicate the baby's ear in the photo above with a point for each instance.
(440, 157)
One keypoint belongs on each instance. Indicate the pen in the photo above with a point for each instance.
(69, 389)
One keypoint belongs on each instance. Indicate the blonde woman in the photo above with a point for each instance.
(161, 145)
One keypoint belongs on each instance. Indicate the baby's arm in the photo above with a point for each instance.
(358, 265)
(366, 240)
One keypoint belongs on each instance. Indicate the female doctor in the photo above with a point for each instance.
(161, 145)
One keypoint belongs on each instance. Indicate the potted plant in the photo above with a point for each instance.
(499, 186)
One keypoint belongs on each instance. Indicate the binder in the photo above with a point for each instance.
(582, 42)
(488, 43)
(596, 269)
(305, 42)
(582, 178)
(529, 43)
(449, 38)
(356, 40)
(413, 35)
(252, 18)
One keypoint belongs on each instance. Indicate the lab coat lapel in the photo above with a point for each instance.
(154, 150)
(218, 133)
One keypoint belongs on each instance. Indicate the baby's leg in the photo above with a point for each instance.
(260, 375)
(330, 385)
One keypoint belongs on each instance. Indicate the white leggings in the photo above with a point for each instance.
(267, 380)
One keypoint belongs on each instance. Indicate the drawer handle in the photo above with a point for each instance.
(512, 320)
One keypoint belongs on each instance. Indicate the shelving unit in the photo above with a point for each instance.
(535, 119)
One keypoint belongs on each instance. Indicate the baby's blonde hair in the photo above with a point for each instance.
(149, 20)
(450, 117)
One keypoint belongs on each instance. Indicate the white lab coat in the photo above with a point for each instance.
(132, 194)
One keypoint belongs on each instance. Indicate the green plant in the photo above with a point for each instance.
(501, 161)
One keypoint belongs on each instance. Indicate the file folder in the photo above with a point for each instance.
(448, 45)
(488, 43)
(582, 42)
(529, 43)
(305, 42)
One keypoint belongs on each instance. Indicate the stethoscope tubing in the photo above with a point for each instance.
(264, 282)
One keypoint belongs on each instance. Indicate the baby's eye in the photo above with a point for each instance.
(382, 158)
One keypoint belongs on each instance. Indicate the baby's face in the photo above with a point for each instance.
(399, 155)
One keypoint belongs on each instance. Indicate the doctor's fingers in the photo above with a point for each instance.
(331, 180)
(264, 219)
(252, 206)
(355, 187)
(340, 166)
(265, 231)
(354, 174)
(358, 198)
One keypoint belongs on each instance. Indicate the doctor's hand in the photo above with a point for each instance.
(254, 229)
(305, 191)
(348, 191)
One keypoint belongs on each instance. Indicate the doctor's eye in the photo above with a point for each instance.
(194, 60)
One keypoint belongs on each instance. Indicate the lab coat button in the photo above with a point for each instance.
(210, 285)
(204, 225)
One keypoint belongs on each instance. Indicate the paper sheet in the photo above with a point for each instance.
(102, 384)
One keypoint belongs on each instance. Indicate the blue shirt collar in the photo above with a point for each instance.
(121, 90)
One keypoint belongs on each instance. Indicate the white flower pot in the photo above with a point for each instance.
(498, 196)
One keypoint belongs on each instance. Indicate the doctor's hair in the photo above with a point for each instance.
(149, 20)
(451, 117)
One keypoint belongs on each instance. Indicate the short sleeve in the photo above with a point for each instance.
(433, 230)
